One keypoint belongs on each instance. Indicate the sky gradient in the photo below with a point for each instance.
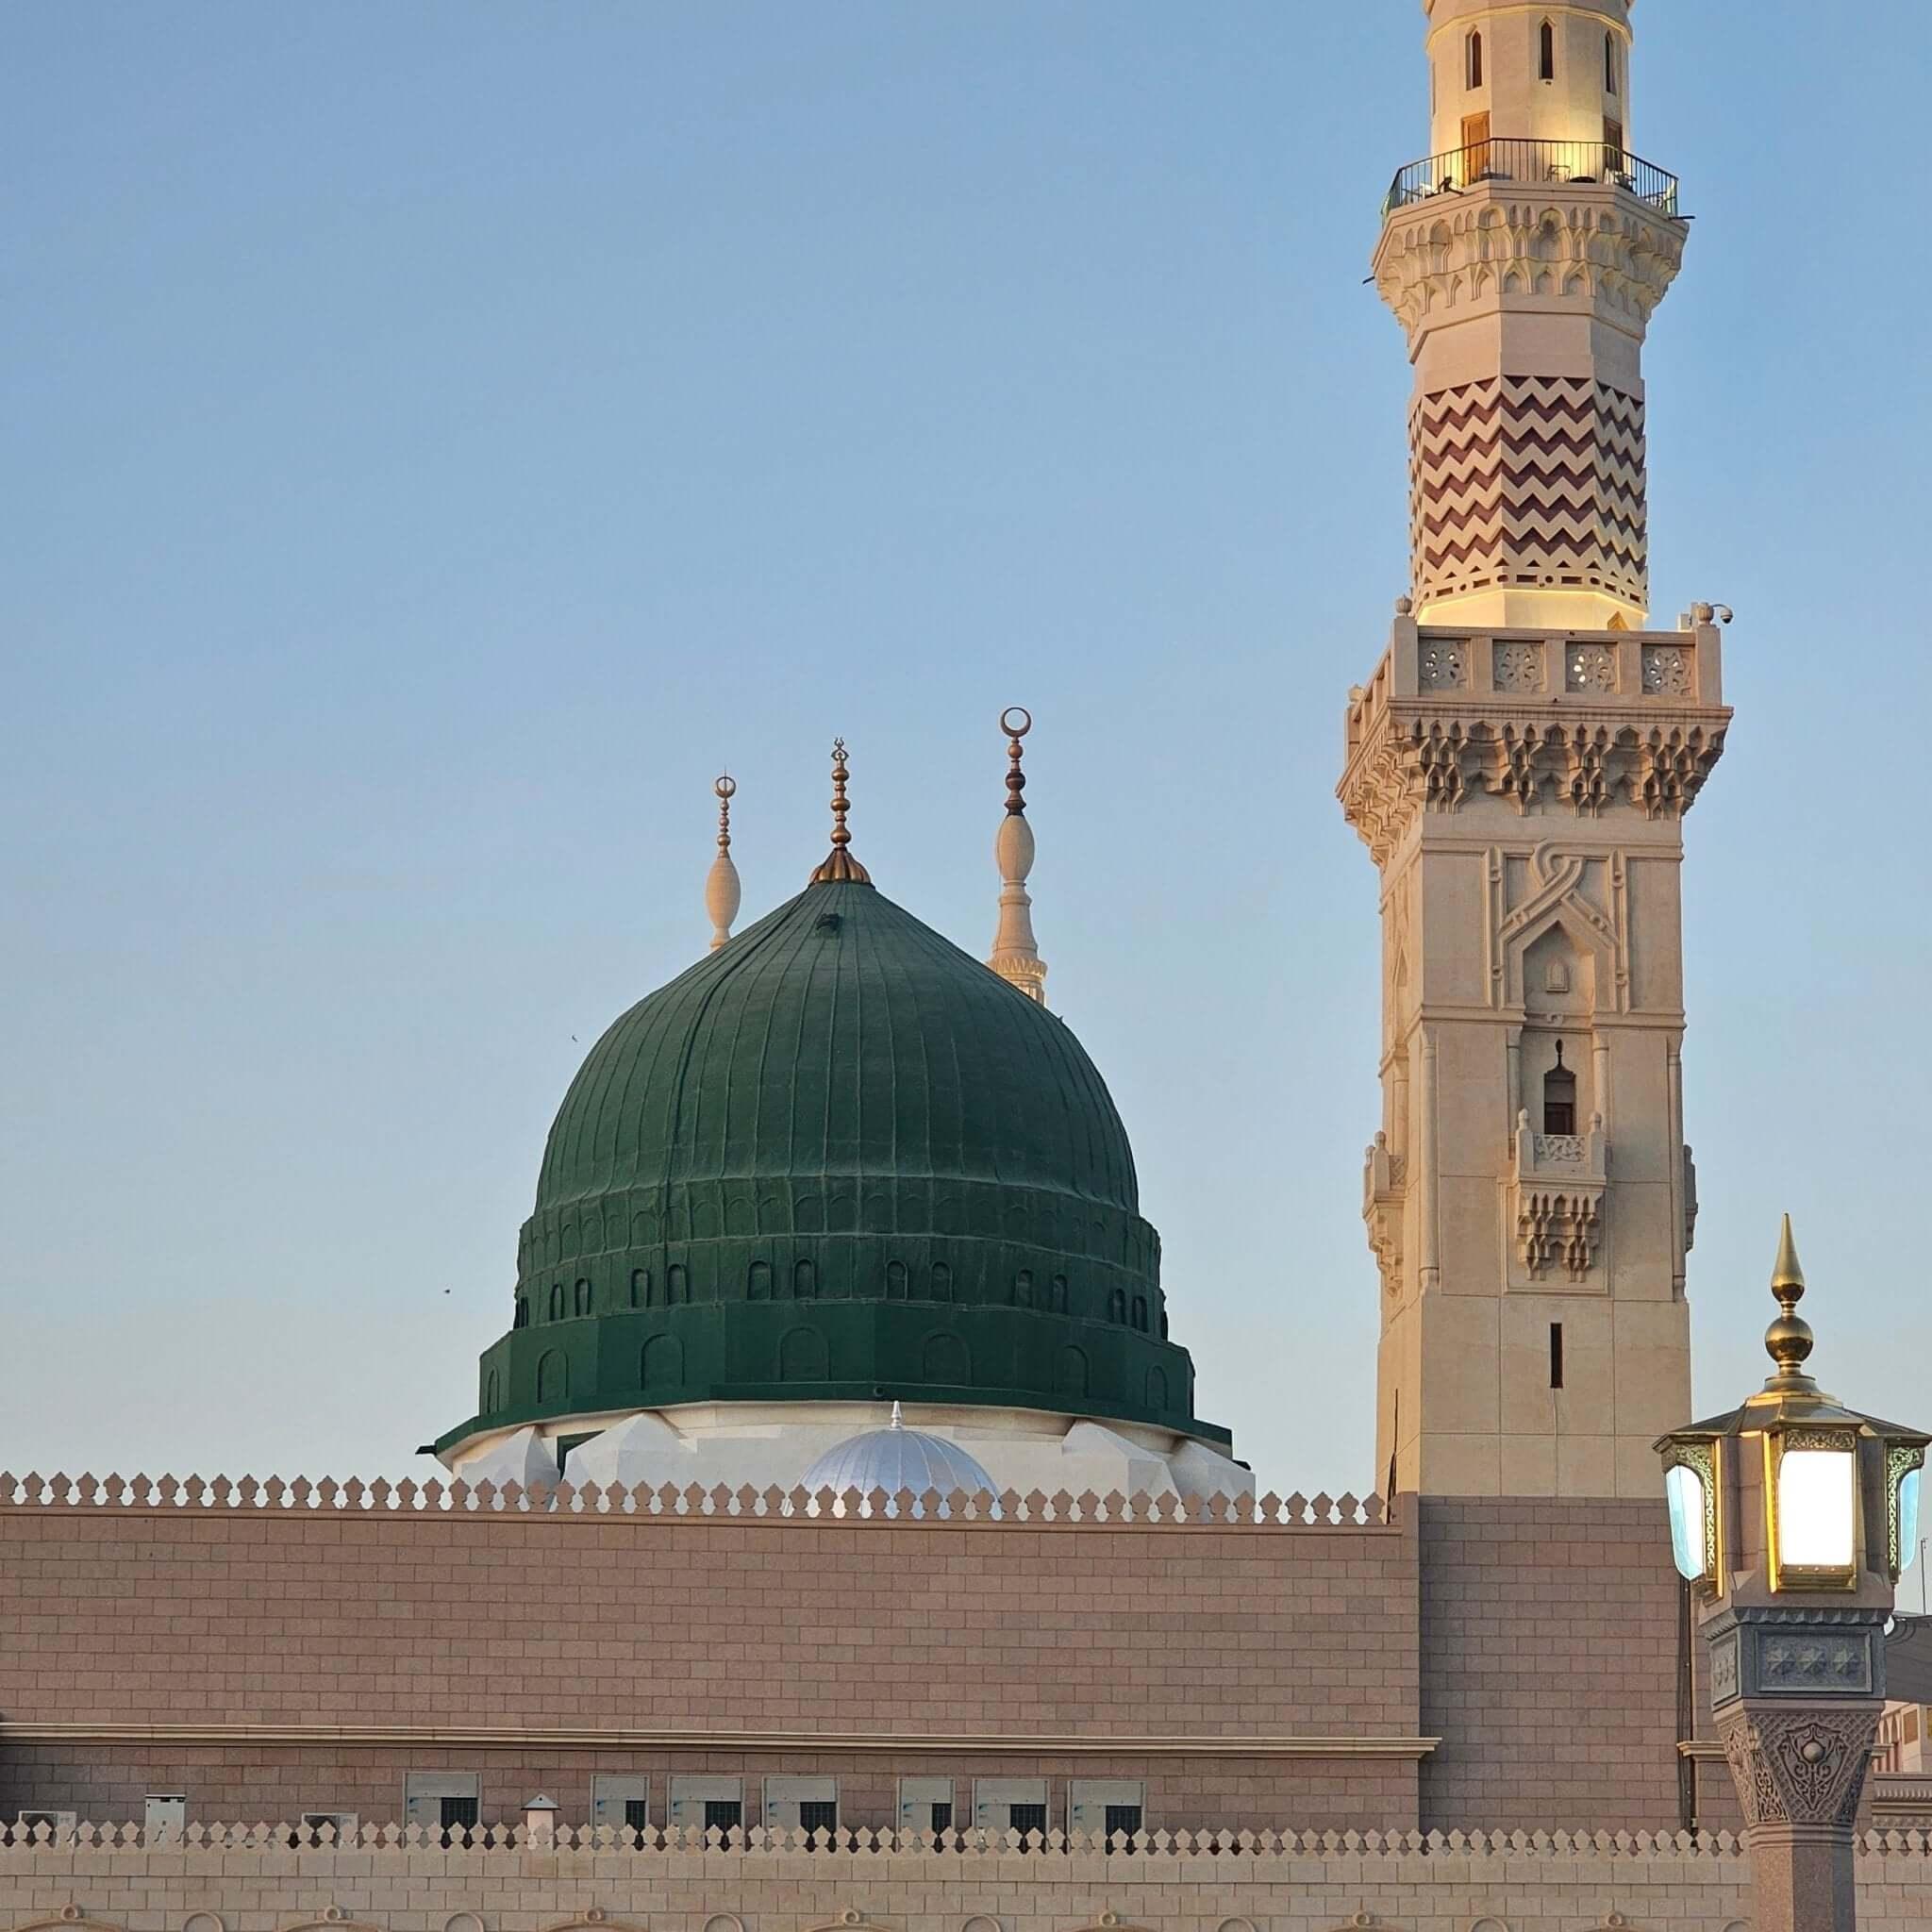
(442, 438)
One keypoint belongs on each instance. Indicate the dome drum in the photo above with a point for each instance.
(836, 1351)
(918, 1265)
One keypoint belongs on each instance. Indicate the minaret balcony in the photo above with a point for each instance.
(1583, 163)
(1556, 1203)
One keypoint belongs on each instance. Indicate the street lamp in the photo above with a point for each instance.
(1792, 1517)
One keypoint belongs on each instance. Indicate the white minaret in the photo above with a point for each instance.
(1519, 765)
(1524, 259)
(722, 892)
(1015, 954)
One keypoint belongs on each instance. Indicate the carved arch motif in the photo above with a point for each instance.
(213, 1922)
(723, 1922)
(594, 1916)
(70, 1918)
(1555, 897)
(464, 1921)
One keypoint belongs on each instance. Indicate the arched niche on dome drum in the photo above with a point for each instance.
(660, 1363)
(802, 1355)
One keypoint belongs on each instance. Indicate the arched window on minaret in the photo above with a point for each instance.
(1547, 51)
(1559, 1097)
(1609, 63)
(1474, 77)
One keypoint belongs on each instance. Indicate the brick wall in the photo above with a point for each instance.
(1549, 1641)
(426, 1624)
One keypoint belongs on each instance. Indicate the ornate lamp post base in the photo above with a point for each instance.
(1800, 1772)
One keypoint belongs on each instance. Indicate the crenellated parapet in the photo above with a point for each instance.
(195, 1496)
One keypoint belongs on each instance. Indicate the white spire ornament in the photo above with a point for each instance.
(1015, 955)
(722, 892)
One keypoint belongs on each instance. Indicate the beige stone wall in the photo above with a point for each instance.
(1305, 1886)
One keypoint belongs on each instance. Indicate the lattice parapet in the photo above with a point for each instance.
(978, 1510)
(1574, 724)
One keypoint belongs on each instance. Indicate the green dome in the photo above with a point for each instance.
(836, 1159)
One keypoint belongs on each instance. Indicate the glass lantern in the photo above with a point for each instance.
(1811, 1485)
(1691, 1491)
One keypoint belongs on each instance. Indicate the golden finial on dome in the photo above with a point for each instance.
(839, 865)
(722, 892)
(1789, 1341)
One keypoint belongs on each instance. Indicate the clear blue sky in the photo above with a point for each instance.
(439, 438)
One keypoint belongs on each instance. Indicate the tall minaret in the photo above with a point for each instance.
(1519, 765)
(1524, 259)
(1015, 952)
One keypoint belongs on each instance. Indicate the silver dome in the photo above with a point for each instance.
(899, 1461)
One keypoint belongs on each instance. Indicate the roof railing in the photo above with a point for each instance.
(1530, 162)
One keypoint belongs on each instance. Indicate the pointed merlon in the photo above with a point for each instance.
(840, 867)
(1015, 953)
(723, 893)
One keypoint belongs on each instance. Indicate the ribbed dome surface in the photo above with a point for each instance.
(841, 1037)
(836, 1161)
(899, 1461)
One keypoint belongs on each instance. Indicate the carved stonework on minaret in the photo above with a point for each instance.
(1520, 766)
(1565, 725)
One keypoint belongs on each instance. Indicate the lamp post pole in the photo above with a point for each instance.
(1792, 1517)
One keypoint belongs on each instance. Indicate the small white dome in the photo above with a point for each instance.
(898, 1460)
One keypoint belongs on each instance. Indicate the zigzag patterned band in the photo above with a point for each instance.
(1528, 481)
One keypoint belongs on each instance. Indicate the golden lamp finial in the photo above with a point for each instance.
(839, 866)
(1788, 1339)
